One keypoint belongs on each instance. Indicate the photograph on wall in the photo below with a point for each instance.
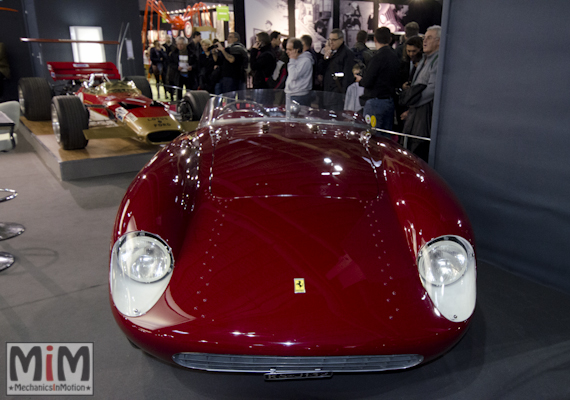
(265, 16)
(356, 16)
(314, 18)
(426, 13)
(392, 16)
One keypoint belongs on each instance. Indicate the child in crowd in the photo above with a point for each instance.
(354, 91)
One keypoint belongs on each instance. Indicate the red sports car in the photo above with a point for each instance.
(285, 240)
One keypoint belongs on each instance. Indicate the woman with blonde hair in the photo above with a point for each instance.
(208, 63)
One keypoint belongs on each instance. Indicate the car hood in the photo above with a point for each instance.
(235, 285)
(291, 160)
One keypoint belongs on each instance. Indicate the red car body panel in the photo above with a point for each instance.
(114, 100)
(247, 211)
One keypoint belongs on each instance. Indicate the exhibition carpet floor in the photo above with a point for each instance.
(518, 346)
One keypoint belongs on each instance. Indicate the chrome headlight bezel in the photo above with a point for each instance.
(446, 270)
(127, 245)
(452, 289)
(135, 297)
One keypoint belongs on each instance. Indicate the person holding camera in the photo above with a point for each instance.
(234, 63)
(262, 61)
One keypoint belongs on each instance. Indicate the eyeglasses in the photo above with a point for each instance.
(333, 39)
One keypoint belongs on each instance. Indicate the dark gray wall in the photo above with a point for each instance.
(503, 138)
(54, 17)
(12, 27)
(51, 19)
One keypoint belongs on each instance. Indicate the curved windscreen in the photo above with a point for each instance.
(276, 105)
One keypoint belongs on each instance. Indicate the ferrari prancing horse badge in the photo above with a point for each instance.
(300, 285)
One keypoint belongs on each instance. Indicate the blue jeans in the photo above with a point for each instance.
(304, 100)
(383, 112)
(229, 84)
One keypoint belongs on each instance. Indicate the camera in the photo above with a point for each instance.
(213, 47)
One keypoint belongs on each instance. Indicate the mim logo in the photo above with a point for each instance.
(49, 369)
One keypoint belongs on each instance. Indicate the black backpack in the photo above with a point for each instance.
(359, 55)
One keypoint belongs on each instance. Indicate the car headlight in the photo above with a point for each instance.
(448, 272)
(442, 262)
(140, 270)
(144, 259)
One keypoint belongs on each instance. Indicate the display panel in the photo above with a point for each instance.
(265, 16)
(314, 18)
(356, 16)
(392, 16)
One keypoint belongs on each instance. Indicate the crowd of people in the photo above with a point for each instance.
(369, 79)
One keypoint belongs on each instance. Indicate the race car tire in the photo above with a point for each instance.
(69, 118)
(142, 84)
(185, 110)
(34, 95)
(198, 100)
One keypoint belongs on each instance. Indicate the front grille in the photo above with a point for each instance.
(162, 136)
(273, 364)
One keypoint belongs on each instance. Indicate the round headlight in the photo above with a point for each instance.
(144, 258)
(443, 262)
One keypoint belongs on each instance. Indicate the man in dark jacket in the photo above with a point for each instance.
(182, 65)
(412, 29)
(234, 63)
(380, 81)
(195, 48)
(275, 38)
(337, 64)
(262, 61)
(361, 52)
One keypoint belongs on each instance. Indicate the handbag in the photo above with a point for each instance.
(410, 96)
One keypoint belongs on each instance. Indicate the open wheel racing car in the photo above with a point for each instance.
(101, 106)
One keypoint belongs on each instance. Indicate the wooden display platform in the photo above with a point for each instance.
(100, 157)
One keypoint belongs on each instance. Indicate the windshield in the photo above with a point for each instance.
(264, 105)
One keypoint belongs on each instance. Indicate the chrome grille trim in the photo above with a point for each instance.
(274, 364)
